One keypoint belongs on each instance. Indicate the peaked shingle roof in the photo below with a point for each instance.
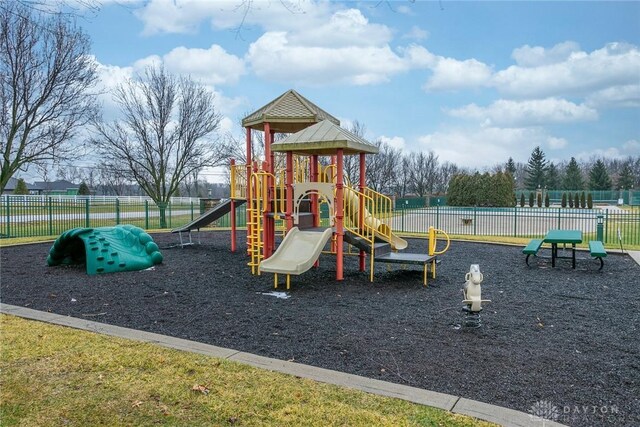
(290, 112)
(324, 138)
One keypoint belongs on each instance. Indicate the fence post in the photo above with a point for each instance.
(50, 216)
(146, 214)
(192, 210)
(515, 221)
(170, 214)
(475, 220)
(437, 216)
(87, 222)
(606, 226)
(8, 218)
(559, 218)
(117, 211)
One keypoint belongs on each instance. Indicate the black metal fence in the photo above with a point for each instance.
(26, 217)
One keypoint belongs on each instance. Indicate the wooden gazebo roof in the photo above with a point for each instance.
(288, 113)
(324, 138)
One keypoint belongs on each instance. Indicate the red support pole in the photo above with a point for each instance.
(288, 214)
(233, 215)
(339, 215)
(269, 229)
(362, 255)
(314, 197)
(249, 195)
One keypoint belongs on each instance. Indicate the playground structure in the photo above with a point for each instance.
(105, 249)
(300, 173)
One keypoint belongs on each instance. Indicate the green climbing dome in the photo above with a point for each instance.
(105, 249)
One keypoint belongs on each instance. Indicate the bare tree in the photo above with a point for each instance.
(46, 74)
(164, 133)
(382, 168)
(424, 170)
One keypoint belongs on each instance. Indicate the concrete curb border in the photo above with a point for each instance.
(454, 404)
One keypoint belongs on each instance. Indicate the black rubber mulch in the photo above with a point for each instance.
(551, 338)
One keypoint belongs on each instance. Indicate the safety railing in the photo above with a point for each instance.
(238, 175)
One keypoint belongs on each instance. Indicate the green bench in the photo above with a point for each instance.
(596, 249)
(532, 249)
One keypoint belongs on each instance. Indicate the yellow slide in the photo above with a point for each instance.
(297, 253)
(351, 198)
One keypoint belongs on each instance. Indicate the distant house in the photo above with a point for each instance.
(13, 182)
(55, 188)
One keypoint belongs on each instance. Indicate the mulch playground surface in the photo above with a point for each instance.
(558, 340)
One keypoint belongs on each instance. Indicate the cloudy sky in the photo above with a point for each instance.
(475, 82)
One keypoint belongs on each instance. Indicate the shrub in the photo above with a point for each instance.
(530, 200)
(522, 200)
(590, 201)
(546, 200)
(563, 203)
(576, 201)
(583, 203)
(539, 200)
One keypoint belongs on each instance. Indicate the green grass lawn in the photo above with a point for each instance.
(52, 376)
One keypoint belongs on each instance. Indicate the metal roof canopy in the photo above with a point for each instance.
(324, 139)
(288, 113)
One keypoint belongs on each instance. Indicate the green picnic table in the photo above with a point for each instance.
(556, 237)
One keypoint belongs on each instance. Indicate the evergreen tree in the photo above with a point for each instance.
(546, 200)
(563, 203)
(21, 187)
(590, 201)
(599, 177)
(583, 203)
(625, 180)
(576, 201)
(531, 199)
(552, 178)
(522, 199)
(510, 167)
(83, 190)
(573, 176)
(536, 169)
(570, 200)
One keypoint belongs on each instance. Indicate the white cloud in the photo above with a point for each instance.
(527, 56)
(451, 74)
(507, 113)
(627, 96)
(345, 28)
(416, 33)
(212, 66)
(273, 58)
(185, 16)
(556, 143)
(396, 142)
(581, 73)
(479, 148)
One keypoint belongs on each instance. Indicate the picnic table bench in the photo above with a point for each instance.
(596, 250)
(532, 249)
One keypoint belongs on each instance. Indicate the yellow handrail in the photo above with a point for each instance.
(433, 241)
(238, 181)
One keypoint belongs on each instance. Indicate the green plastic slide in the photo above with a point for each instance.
(105, 249)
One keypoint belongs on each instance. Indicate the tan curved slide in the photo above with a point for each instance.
(397, 243)
(298, 251)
